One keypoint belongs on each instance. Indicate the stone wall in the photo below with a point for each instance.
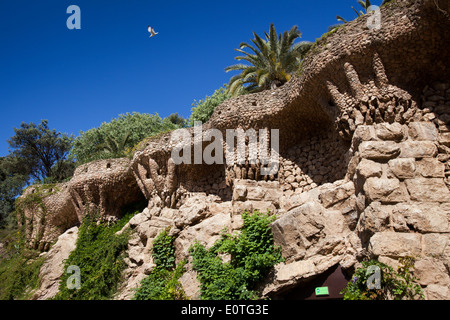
(364, 163)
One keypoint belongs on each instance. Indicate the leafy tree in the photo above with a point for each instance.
(202, 110)
(112, 139)
(11, 184)
(177, 120)
(40, 151)
(272, 61)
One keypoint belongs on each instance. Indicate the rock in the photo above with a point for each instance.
(394, 244)
(431, 271)
(368, 168)
(374, 219)
(437, 292)
(379, 150)
(294, 230)
(239, 193)
(53, 268)
(424, 217)
(385, 190)
(418, 149)
(423, 131)
(431, 189)
(190, 284)
(403, 168)
(392, 132)
(444, 138)
(337, 194)
(431, 168)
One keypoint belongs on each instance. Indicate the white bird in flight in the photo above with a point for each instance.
(152, 31)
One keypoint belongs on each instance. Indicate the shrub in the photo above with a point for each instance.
(19, 273)
(202, 110)
(398, 285)
(99, 254)
(252, 255)
(113, 139)
(162, 283)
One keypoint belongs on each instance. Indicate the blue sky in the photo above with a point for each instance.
(78, 79)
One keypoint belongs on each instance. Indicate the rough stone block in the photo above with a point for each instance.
(385, 190)
(444, 138)
(418, 149)
(431, 168)
(379, 150)
(423, 217)
(403, 168)
(431, 271)
(363, 133)
(393, 244)
(337, 194)
(434, 244)
(392, 132)
(423, 131)
(431, 189)
(368, 168)
(239, 193)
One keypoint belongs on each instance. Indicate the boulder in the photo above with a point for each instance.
(53, 268)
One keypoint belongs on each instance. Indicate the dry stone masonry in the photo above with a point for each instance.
(364, 166)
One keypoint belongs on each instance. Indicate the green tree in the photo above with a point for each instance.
(113, 138)
(272, 61)
(41, 150)
(202, 110)
(11, 184)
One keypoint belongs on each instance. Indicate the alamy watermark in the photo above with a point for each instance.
(74, 21)
(74, 281)
(241, 147)
(374, 21)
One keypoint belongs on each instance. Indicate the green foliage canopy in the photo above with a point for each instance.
(202, 110)
(41, 150)
(272, 61)
(113, 139)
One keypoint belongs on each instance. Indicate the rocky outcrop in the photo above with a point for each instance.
(53, 267)
(364, 164)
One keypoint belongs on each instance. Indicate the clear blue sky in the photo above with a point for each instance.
(78, 79)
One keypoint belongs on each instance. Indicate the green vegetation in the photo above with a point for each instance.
(399, 285)
(117, 138)
(272, 61)
(40, 152)
(19, 269)
(99, 254)
(202, 110)
(162, 283)
(252, 253)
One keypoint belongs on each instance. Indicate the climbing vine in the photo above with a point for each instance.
(251, 254)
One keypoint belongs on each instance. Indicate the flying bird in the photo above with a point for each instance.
(152, 31)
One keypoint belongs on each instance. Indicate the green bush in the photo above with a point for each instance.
(99, 254)
(399, 285)
(252, 253)
(19, 273)
(115, 138)
(202, 110)
(162, 283)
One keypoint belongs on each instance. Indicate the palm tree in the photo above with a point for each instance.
(114, 146)
(365, 5)
(272, 60)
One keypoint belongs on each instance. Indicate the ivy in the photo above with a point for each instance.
(162, 283)
(252, 254)
(99, 254)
